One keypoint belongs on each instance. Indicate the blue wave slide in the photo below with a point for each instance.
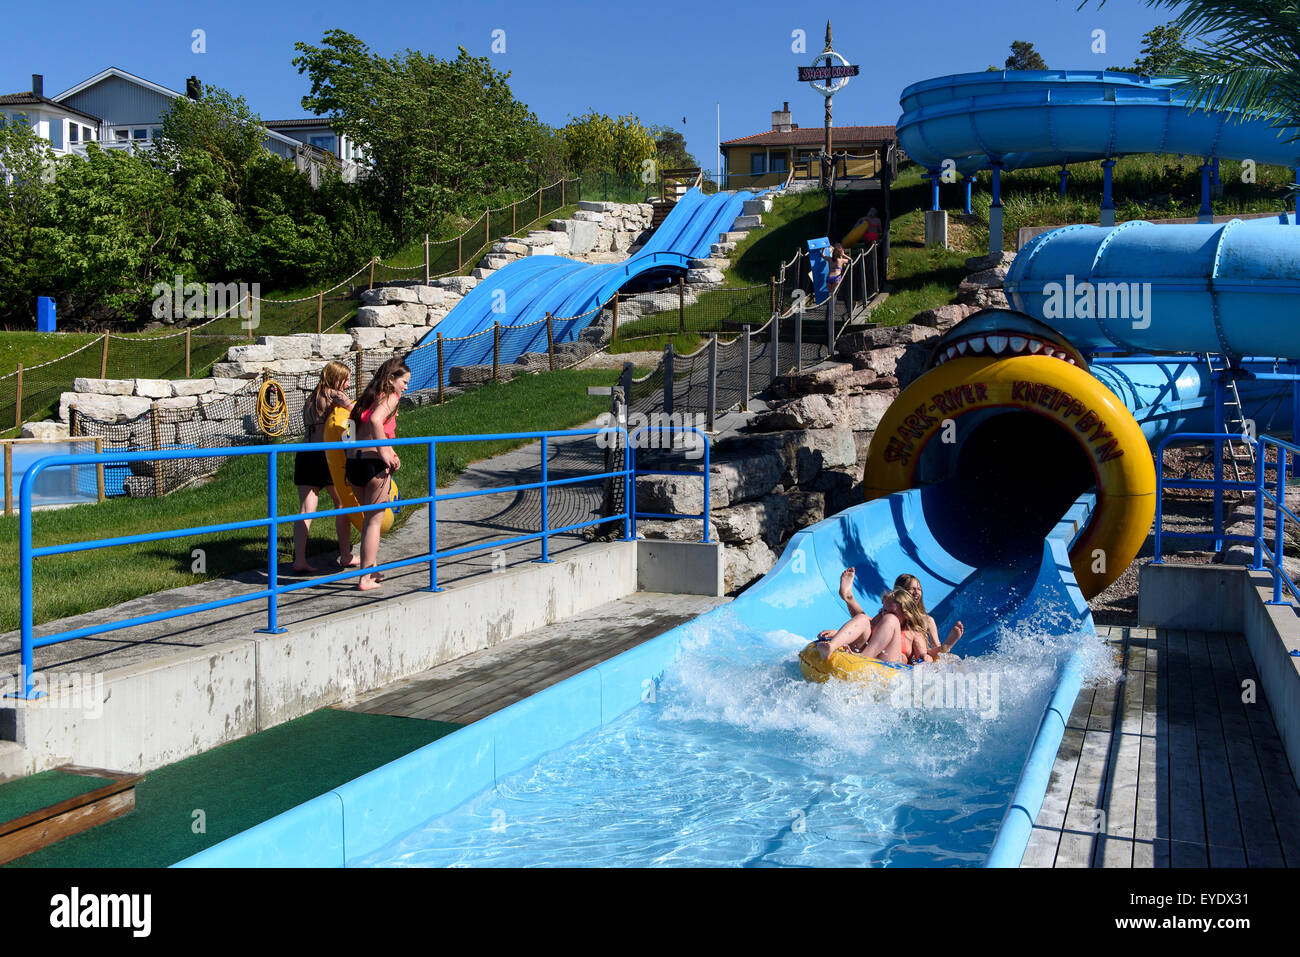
(999, 526)
(524, 291)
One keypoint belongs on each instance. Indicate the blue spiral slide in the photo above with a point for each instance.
(524, 291)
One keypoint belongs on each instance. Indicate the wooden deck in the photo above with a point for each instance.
(470, 688)
(1176, 765)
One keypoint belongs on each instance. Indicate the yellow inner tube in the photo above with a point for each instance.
(335, 426)
(845, 667)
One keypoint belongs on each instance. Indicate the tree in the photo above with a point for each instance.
(1024, 57)
(26, 194)
(670, 148)
(1246, 58)
(1163, 52)
(439, 134)
(599, 143)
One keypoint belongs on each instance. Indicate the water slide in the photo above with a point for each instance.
(1050, 117)
(524, 291)
(1014, 478)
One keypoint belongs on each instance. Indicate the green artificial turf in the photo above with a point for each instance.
(29, 794)
(239, 785)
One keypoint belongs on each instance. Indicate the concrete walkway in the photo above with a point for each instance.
(472, 521)
(484, 682)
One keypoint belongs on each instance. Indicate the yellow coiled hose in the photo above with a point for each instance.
(272, 409)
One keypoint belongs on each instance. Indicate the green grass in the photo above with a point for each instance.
(72, 584)
(791, 223)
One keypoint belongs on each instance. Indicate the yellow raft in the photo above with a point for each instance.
(846, 667)
(335, 426)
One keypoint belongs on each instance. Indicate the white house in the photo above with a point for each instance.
(119, 110)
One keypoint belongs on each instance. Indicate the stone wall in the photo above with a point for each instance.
(802, 458)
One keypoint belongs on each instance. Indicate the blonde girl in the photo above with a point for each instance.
(311, 471)
(370, 470)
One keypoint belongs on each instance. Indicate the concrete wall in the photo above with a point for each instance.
(680, 568)
(174, 707)
(1220, 598)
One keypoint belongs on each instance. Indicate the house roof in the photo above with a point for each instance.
(114, 71)
(31, 99)
(813, 136)
(297, 124)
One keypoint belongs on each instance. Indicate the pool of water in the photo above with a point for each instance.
(734, 759)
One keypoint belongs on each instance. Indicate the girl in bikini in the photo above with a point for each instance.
(369, 471)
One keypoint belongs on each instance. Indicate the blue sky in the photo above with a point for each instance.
(663, 61)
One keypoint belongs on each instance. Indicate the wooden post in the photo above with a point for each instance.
(668, 378)
(18, 399)
(187, 353)
(496, 348)
(771, 294)
(157, 441)
(9, 478)
(357, 382)
(613, 335)
(372, 271)
(103, 360)
(99, 468)
(539, 202)
(320, 306)
(513, 216)
(440, 369)
(487, 227)
(550, 343)
(249, 317)
(744, 368)
(561, 190)
(460, 259)
(426, 259)
(711, 396)
(681, 303)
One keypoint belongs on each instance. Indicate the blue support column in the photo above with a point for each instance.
(1206, 214)
(1216, 184)
(1297, 197)
(967, 208)
(995, 209)
(1220, 427)
(1107, 200)
(934, 189)
(1065, 178)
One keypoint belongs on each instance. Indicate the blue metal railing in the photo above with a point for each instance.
(1263, 554)
(28, 552)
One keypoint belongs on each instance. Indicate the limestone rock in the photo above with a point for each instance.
(764, 519)
(804, 508)
(944, 318)
(704, 275)
(183, 387)
(152, 388)
(255, 353)
(366, 337)
(461, 285)
(289, 347)
(815, 411)
(104, 386)
(50, 431)
(330, 346)
(679, 530)
(979, 263)
(743, 479)
(747, 222)
(746, 564)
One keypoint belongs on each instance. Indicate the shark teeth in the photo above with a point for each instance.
(977, 344)
(1018, 344)
(998, 344)
(1034, 346)
(962, 347)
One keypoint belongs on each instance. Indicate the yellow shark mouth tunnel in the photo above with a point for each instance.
(929, 416)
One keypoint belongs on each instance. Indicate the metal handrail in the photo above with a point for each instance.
(28, 552)
(1263, 555)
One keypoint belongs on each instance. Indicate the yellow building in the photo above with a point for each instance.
(764, 159)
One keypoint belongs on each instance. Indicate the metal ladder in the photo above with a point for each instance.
(1236, 417)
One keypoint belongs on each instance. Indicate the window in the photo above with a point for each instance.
(323, 142)
(140, 133)
(86, 136)
(756, 164)
(73, 130)
(17, 118)
(121, 135)
(778, 163)
(56, 132)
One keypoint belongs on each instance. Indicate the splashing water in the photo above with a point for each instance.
(739, 761)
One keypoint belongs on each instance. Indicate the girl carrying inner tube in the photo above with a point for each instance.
(369, 470)
(311, 471)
